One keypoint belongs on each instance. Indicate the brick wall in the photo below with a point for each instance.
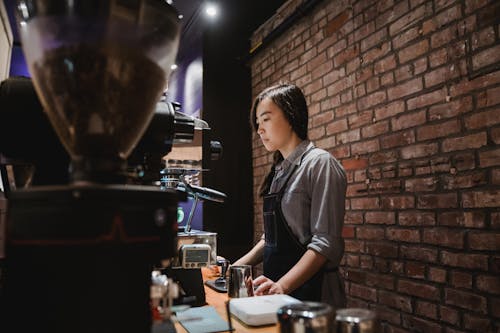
(406, 94)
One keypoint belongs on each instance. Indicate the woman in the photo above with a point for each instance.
(304, 204)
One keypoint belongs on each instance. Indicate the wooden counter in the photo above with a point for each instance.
(218, 301)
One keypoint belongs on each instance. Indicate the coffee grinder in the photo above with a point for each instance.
(79, 256)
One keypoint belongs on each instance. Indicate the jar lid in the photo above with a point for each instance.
(355, 315)
(304, 310)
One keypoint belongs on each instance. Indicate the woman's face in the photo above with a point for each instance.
(273, 128)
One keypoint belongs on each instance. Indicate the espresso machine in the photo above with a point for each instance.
(79, 255)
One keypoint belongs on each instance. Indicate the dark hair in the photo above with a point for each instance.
(290, 99)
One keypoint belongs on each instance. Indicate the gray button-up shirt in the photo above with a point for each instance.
(314, 205)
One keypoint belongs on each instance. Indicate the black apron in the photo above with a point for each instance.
(282, 249)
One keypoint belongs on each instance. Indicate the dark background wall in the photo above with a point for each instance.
(226, 105)
(407, 95)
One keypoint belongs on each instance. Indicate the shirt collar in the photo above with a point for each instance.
(296, 156)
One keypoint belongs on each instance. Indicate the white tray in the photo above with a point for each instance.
(259, 310)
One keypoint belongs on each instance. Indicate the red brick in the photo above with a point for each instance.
(405, 38)
(495, 135)
(483, 119)
(488, 283)
(356, 190)
(472, 141)
(348, 232)
(407, 20)
(449, 315)
(389, 110)
(405, 89)
(365, 147)
(380, 218)
(365, 203)
(437, 274)
(385, 64)
(464, 161)
(340, 151)
(466, 86)
(465, 300)
(372, 100)
(484, 241)
(475, 323)
(382, 249)
(316, 133)
(416, 218)
(441, 75)
(413, 51)
(403, 235)
(444, 237)
(401, 8)
(479, 199)
(337, 126)
(353, 218)
(408, 120)
(432, 201)
(495, 306)
(444, 36)
(486, 57)
(471, 219)
(426, 99)
(420, 150)
(355, 163)
(363, 31)
(489, 158)
(369, 233)
(421, 290)
(345, 109)
(398, 202)
(489, 97)
(376, 129)
(495, 176)
(397, 139)
(349, 136)
(464, 181)
(345, 55)
(420, 253)
(451, 109)
(322, 118)
(421, 184)
(449, 15)
(426, 309)
(495, 220)
(328, 141)
(335, 24)
(403, 73)
(369, 294)
(395, 300)
(360, 119)
(472, 5)
(438, 58)
(438, 130)
(378, 51)
(483, 38)
(461, 280)
(464, 260)
(372, 84)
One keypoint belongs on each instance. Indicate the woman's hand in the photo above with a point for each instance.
(266, 286)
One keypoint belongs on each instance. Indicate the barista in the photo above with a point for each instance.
(304, 198)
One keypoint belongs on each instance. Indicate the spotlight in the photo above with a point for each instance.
(211, 9)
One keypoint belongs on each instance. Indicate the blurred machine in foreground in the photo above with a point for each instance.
(81, 245)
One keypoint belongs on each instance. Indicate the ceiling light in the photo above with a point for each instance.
(211, 9)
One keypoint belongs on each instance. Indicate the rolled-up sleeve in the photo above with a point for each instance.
(327, 183)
